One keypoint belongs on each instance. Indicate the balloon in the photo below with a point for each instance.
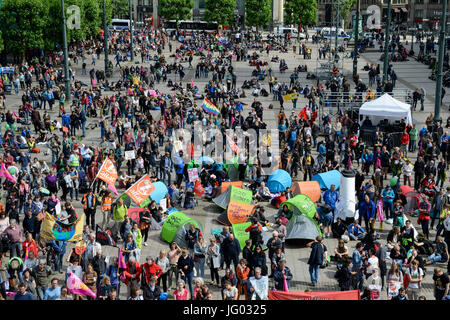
(394, 181)
(7, 126)
(12, 170)
(14, 126)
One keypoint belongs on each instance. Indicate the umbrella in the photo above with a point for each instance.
(205, 159)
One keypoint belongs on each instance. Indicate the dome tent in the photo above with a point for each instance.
(301, 205)
(302, 225)
(278, 181)
(326, 179)
(309, 188)
(175, 227)
(233, 193)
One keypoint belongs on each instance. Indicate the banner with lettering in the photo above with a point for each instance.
(261, 287)
(393, 289)
(53, 229)
(238, 212)
(141, 190)
(76, 286)
(338, 295)
(108, 172)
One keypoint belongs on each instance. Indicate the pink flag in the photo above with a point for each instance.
(6, 174)
(76, 286)
(113, 189)
(122, 264)
(285, 285)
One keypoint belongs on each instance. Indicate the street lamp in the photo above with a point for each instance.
(355, 52)
(105, 41)
(130, 3)
(66, 54)
(386, 43)
(439, 73)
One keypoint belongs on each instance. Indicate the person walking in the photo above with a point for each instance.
(316, 259)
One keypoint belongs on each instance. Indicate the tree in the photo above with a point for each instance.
(220, 11)
(300, 12)
(120, 8)
(176, 9)
(345, 7)
(92, 17)
(23, 24)
(257, 13)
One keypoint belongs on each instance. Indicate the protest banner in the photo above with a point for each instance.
(193, 174)
(141, 190)
(53, 229)
(338, 295)
(130, 155)
(239, 212)
(290, 96)
(108, 172)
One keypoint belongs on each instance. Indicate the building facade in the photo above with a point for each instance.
(426, 14)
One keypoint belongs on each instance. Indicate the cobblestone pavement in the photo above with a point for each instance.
(410, 74)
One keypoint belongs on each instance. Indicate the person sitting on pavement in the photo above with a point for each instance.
(355, 231)
(338, 228)
(263, 193)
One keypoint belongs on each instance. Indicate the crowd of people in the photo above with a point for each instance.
(123, 112)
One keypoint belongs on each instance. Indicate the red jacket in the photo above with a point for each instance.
(149, 271)
(404, 139)
(128, 274)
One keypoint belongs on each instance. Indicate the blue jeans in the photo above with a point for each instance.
(200, 267)
(41, 292)
(187, 278)
(83, 127)
(435, 257)
(388, 209)
(314, 273)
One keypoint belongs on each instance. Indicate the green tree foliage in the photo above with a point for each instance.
(22, 25)
(345, 7)
(176, 9)
(257, 13)
(220, 11)
(300, 12)
(120, 8)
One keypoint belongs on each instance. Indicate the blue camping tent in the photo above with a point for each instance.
(160, 191)
(278, 181)
(326, 179)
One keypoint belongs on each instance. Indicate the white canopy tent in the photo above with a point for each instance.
(385, 107)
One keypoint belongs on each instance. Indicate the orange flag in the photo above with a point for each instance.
(108, 172)
(141, 190)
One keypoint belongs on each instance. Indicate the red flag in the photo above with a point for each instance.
(302, 114)
(198, 189)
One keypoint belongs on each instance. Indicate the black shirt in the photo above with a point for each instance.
(440, 282)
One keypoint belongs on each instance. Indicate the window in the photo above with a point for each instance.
(418, 13)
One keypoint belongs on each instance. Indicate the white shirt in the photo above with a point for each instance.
(415, 274)
(373, 264)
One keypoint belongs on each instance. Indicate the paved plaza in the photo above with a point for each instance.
(411, 75)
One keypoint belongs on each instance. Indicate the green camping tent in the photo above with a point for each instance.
(302, 225)
(232, 168)
(233, 193)
(175, 227)
(301, 204)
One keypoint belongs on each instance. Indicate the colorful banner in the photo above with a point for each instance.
(290, 96)
(103, 237)
(193, 174)
(209, 107)
(239, 212)
(108, 172)
(141, 190)
(76, 286)
(240, 234)
(338, 295)
(241, 195)
(52, 229)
